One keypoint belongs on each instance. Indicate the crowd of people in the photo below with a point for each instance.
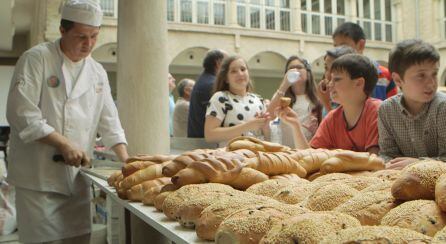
(359, 104)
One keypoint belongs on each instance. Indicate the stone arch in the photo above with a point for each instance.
(267, 64)
(107, 54)
(188, 61)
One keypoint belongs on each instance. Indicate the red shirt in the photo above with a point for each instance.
(334, 134)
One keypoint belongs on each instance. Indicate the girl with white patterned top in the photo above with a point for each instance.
(233, 110)
(303, 100)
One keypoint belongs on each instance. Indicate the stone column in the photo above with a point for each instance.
(143, 101)
(296, 25)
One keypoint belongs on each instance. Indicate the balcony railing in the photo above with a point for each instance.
(316, 17)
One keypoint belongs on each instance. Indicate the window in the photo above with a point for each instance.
(186, 11)
(170, 10)
(241, 15)
(255, 17)
(375, 17)
(108, 7)
(269, 18)
(219, 13)
(202, 12)
(320, 17)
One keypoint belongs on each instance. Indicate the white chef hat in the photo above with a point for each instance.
(86, 12)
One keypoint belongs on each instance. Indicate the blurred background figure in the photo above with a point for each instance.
(171, 82)
(181, 112)
(202, 93)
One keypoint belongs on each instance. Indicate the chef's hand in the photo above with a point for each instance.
(73, 156)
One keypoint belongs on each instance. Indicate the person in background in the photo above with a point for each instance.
(171, 82)
(303, 100)
(322, 90)
(58, 100)
(233, 110)
(354, 124)
(202, 92)
(412, 124)
(352, 35)
(181, 112)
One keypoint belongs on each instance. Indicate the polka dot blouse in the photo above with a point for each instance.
(233, 109)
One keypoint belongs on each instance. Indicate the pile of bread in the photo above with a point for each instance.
(254, 191)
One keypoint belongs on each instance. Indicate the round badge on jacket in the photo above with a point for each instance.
(53, 81)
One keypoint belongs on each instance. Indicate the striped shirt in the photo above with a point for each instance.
(404, 135)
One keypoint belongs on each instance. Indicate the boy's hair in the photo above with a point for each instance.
(349, 29)
(358, 66)
(410, 52)
(337, 52)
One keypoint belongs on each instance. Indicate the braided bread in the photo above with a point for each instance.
(219, 170)
(254, 144)
(275, 164)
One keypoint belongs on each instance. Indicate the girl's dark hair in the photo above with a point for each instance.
(310, 88)
(221, 83)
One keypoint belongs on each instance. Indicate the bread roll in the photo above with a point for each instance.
(368, 207)
(328, 197)
(417, 181)
(285, 102)
(251, 224)
(308, 227)
(376, 235)
(423, 216)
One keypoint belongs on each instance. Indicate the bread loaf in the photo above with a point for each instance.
(328, 197)
(158, 158)
(173, 201)
(368, 207)
(184, 160)
(311, 159)
(308, 227)
(251, 224)
(134, 166)
(440, 192)
(417, 181)
(423, 216)
(292, 177)
(375, 234)
(254, 144)
(159, 200)
(440, 237)
(136, 192)
(275, 163)
(293, 194)
(352, 161)
(113, 178)
(212, 216)
(219, 170)
(269, 187)
(149, 173)
(387, 174)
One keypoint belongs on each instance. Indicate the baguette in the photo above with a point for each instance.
(134, 166)
(149, 173)
(275, 164)
(137, 192)
(158, 158)
(254, 144)
(352, 161)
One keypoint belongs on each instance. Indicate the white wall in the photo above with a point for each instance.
(5, 79)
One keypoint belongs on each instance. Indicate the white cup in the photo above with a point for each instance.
(293, 76)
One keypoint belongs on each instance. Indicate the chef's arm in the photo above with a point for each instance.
(120, 150)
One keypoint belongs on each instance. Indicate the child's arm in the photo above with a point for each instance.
(290, 117)
(213, 132)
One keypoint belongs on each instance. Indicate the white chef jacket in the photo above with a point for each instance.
(38, 104)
